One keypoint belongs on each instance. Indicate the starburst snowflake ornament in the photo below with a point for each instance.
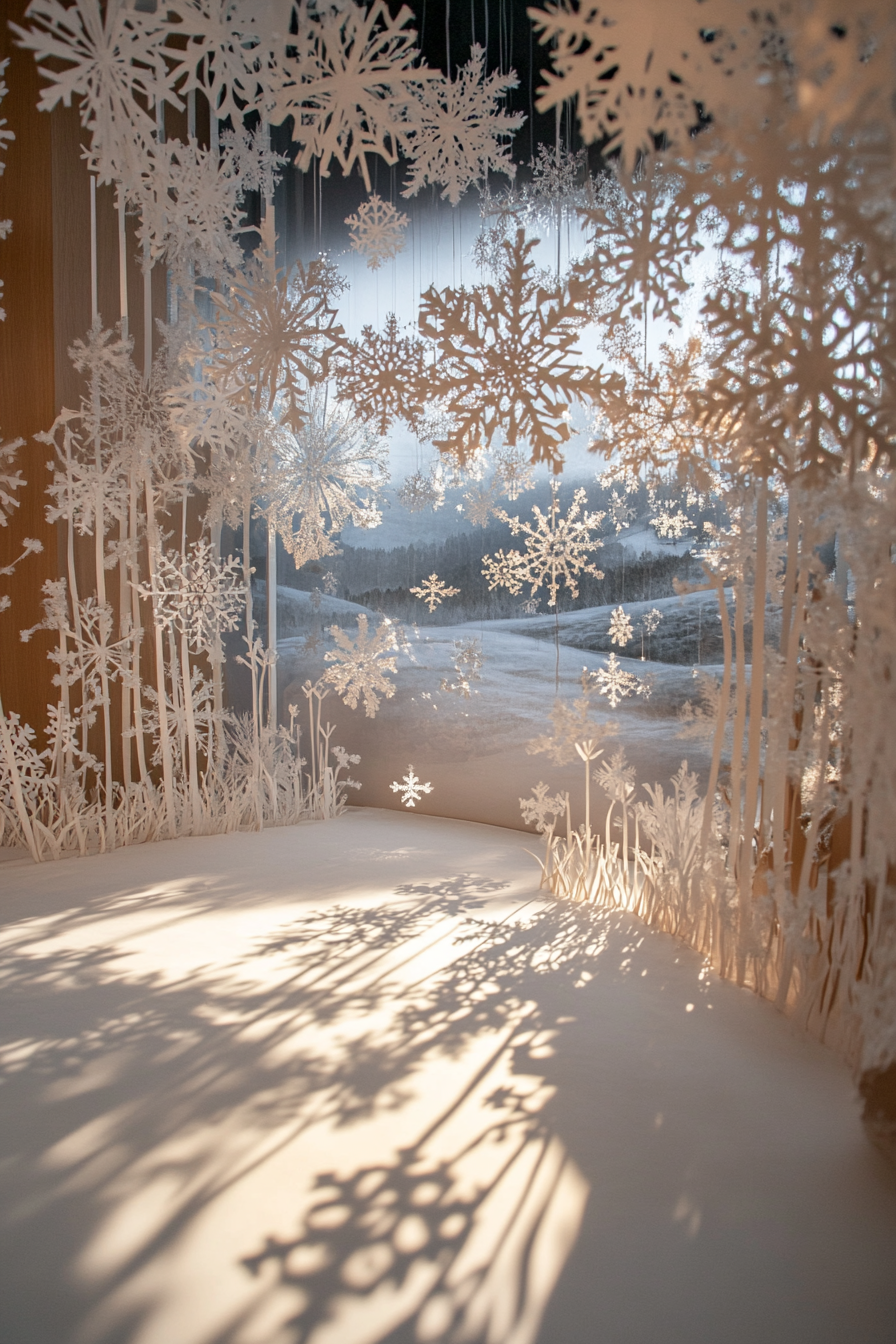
(377, 231)
(411, 788)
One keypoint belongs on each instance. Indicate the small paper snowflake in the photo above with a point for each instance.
(419, 492)
(673, 525)
(432, 591)
(620, 627)
(411, 788)
(362, 664)
(614, 681)
(377, 231)
(382, 375)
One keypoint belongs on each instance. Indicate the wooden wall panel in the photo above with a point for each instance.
(27, 374)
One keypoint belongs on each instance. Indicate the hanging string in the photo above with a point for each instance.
(448, 38)
(94, 306)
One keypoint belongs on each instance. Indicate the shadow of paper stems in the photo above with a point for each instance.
(123, 1064)
(464, 1247)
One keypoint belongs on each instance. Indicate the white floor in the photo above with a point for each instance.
(359, 1082)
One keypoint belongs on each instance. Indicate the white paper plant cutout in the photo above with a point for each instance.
(361, 665)
(620, 627)
(557, 551)
(411, 788)
(433, 591)
(377, 231)
(456, 131)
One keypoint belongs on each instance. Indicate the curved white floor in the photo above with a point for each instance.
(358, 1082)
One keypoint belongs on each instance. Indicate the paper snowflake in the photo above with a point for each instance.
(620, 627)
(624, 72)
(377, 231)
(670, 524)
(108, 56)
(382, 375)
(235, 54)
(275, 334)
(432, 591)
(641, 239)
(197, 594)
(411, 788)
(362, 664)
(557, 550)
(614, 681)
(543, 808)
(651, 619)
(330, 472)
(356, 83)
(468, 660)
(419, 492)
(507, 360)
(457, 131)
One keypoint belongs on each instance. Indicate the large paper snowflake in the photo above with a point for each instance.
(625, 68)
(411, 788)
(275, 334)
(110, 57)
(457, 131)
(327, 473)
(361, 664)
(557, 550)
(507, 359)
(641, 238)
(377, 231)
(355, 86)
(382, 375)
(433, 591)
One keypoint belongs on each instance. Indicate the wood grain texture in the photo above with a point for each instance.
(27, 375)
